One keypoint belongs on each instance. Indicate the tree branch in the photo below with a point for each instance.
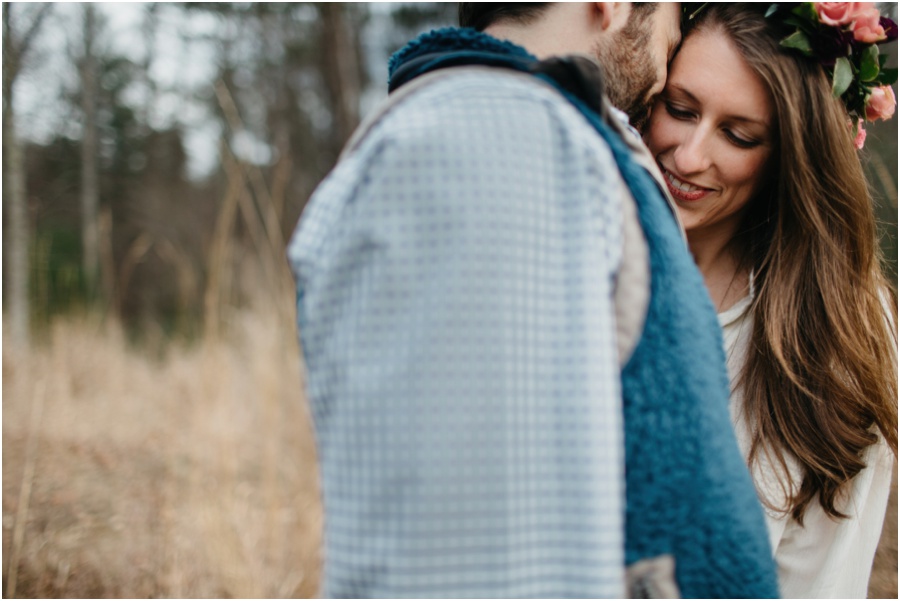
(26, 40)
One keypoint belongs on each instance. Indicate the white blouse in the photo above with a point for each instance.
(824, 558)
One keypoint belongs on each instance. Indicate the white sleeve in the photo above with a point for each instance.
(827, 558)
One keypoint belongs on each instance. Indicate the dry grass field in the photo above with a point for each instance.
(188, 471)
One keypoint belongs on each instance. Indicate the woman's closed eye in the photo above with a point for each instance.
(684, 113)
(678, 112)
(740, 141)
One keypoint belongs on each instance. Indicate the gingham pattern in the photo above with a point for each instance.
(454, 280)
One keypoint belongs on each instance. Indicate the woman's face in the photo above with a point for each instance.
(711, 131)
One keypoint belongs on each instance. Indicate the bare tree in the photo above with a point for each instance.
(15, 200)
(89, 191)
(342, 70)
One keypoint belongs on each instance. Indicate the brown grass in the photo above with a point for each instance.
(186, 475)
(883, 583)
(190, 475)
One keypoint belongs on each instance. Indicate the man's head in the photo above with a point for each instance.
(632, 42)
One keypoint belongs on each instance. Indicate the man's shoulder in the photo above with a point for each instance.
(476, 82)
(464, 149)
(475, 98)
(483, 103)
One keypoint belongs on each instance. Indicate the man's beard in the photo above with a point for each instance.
(629, 72)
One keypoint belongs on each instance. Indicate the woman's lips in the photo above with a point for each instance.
(683, 190)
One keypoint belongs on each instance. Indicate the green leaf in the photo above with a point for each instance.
(799, 41)
(882, 59)
(772, 10)
(868, 67)
(806, 11)
(798, 23)
(843, 77)
(888, 76)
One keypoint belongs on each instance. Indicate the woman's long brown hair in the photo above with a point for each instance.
(820, 380)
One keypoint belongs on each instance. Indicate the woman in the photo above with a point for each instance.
(760, 159)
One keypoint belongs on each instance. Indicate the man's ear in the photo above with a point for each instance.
(611, 14)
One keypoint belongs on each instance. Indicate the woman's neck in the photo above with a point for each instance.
(716, 256)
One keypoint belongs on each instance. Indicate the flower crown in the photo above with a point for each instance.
(843, 37)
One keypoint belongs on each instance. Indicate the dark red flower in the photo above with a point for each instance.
(890, 29)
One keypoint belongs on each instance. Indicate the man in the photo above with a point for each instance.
(634, 57)
(474, 303)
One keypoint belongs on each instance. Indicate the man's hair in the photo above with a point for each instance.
(481, 15)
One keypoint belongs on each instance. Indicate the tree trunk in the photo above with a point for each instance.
(89, 191)
(342, 70)
(14, 199)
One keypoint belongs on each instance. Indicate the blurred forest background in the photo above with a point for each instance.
(156, 158)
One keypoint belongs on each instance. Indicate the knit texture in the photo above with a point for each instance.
(689, 493)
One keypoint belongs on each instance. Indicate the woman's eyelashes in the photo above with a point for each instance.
(678, 113)
(685, 114)
(739, 141)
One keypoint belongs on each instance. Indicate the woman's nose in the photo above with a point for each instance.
(692, 155)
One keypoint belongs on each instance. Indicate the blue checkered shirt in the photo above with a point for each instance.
(454, 299)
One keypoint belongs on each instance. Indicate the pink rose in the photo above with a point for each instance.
(835, 13)
(866, 26)
(860, 137)
(881, 103)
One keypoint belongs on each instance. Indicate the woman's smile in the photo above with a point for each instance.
(682, 189)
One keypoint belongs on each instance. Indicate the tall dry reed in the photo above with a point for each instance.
(186, 472)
